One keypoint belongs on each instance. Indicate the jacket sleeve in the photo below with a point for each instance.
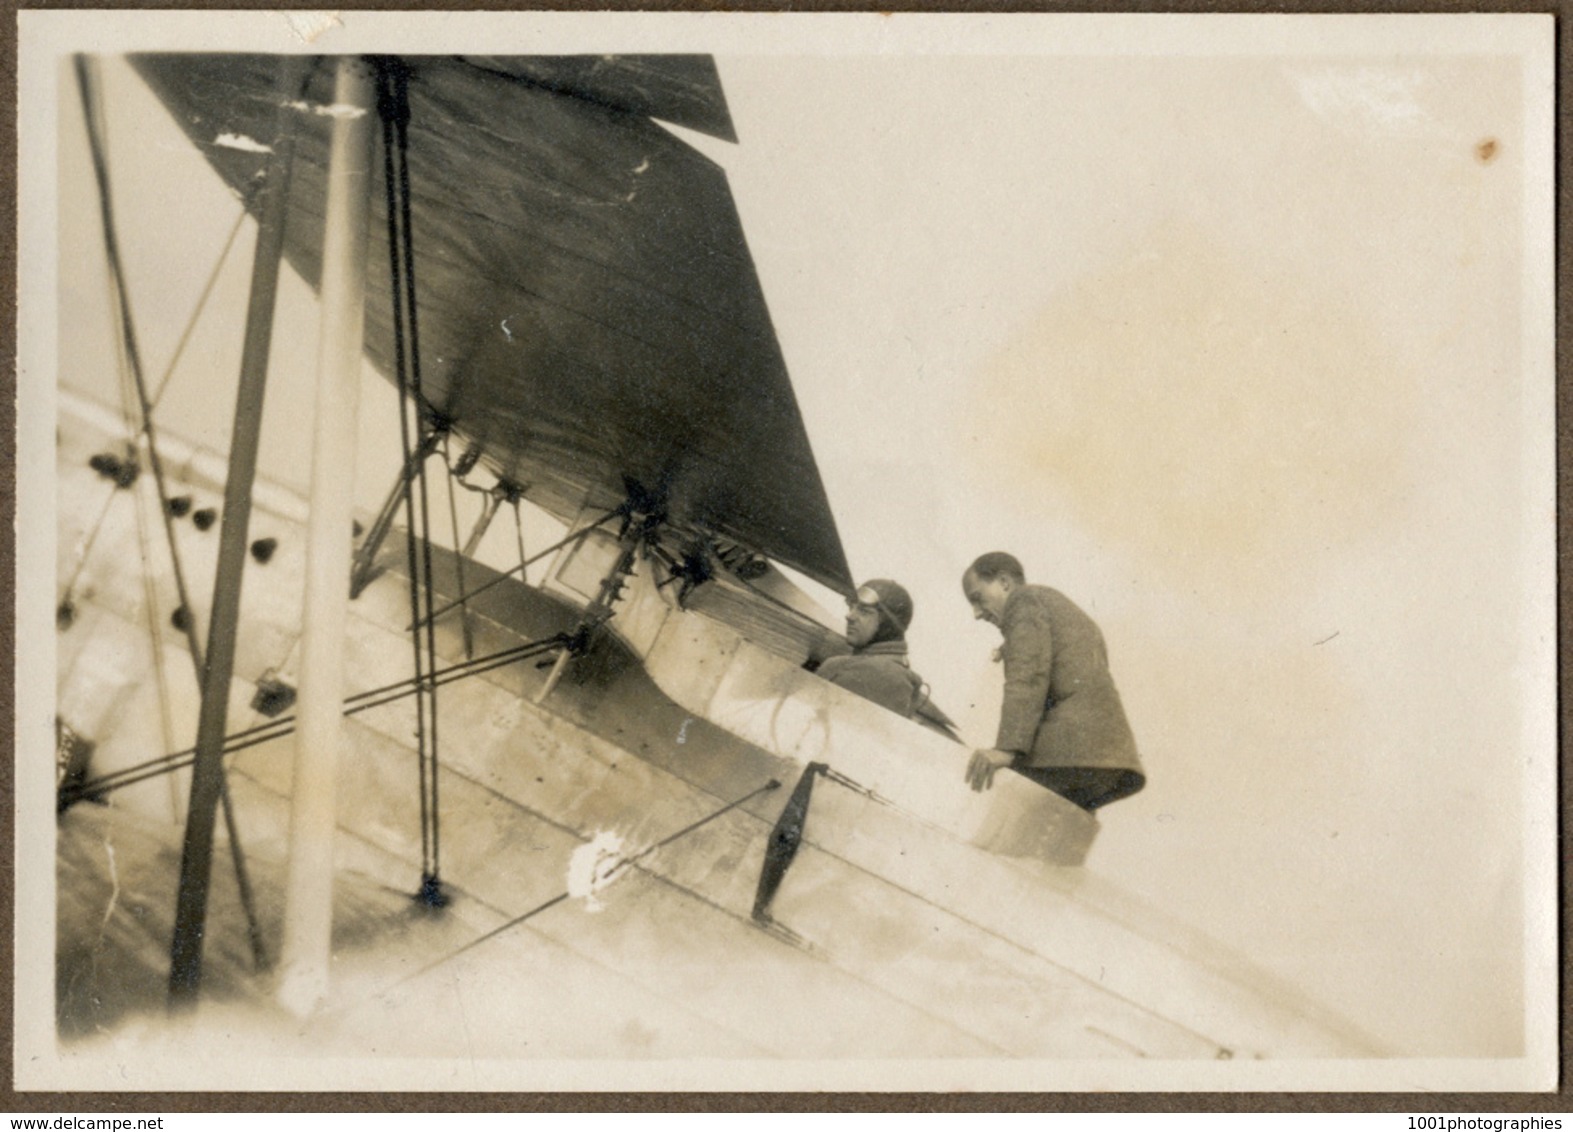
(827, 646)
(1028, 654)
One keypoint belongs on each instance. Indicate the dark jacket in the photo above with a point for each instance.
(1060, 707)
(878, 672)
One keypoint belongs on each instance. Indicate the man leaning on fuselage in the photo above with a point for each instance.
(1061, 720)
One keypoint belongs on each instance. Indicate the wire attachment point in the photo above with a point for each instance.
(431, 893)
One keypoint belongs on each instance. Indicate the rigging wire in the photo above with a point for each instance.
(429, 882)
(94, 114)
(169, 371)
(93, 111)
(96, 118)
(582, 532)
(202, 300)
(127, 327)
(623, 862)
(139, 499)
(156, 639)
(385, 103)
(393, 108)
(278, 728)
(87, 547)
(478, 666)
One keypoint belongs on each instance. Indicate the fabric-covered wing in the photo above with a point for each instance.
(682, 89)
(588, 308)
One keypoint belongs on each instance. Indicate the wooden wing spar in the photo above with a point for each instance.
(589, 313)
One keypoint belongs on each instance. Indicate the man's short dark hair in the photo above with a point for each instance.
(991, 565)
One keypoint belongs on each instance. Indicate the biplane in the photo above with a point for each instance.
(592, 802)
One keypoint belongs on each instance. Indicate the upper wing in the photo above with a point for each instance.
(588, 308)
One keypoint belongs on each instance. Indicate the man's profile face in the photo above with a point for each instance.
(987, 598)
(862, 623)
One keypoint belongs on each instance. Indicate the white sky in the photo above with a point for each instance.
(1228, 347)
(1229, 351)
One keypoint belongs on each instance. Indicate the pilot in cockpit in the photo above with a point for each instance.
(877, 667)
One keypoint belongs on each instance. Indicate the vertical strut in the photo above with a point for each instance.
(458, 568)
(364, 569)
(207, 775)
(308, 907)
(483, 523)
(132, 359)
(491, 501)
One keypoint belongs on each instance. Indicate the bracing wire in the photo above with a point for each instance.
(393, 107)
(156, 639)
(401, 121)
(202, 302)
(94, 117)
(385, 104)
(571, 536)
(285, 725)
(92, 109)
(144, 539)
(623, 861)
(169, 370)
(87, 546)
(128, 340)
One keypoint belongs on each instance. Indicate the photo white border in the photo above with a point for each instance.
(46, 36)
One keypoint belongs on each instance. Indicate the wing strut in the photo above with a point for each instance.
(207, 776)
(365, 569)
(490, 502)
(131, 360)
(308, 902)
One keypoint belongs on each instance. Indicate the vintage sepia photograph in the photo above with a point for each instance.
(699, 551)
